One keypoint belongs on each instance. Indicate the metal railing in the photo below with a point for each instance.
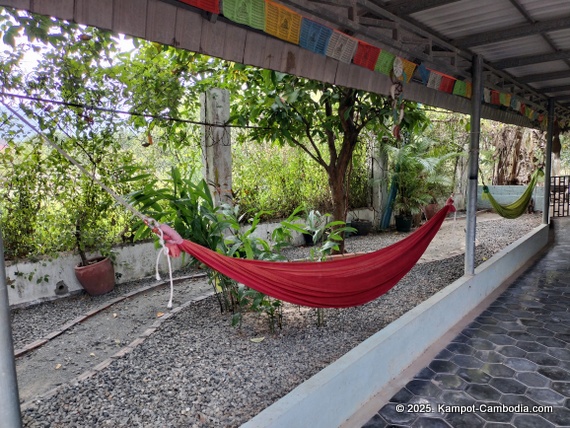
(560, 196)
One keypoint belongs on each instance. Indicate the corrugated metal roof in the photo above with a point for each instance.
(548, 9)
(560, 38)
(525, 44)
(466, 17)
(529, 45)
(535, 69)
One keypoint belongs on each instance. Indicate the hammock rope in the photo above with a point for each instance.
(152, 223)
(343, 282)
(517, 208)
(339, 283)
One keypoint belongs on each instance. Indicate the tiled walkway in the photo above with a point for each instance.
(514, 358)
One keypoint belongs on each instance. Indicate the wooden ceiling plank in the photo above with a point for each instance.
(159, 24)
(188, 31)
(129, 17)
(99, 14)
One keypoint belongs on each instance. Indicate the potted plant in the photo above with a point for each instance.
(315, 227)
(97, 274)
(415, 177)
(91, 234)
(362, 227)
(409, 201)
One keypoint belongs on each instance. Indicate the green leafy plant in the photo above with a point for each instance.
(415, 173)
(188, 206)
(333, 233)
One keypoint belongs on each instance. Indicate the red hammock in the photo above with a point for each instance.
(342, 282)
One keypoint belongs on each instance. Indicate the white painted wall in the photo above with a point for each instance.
(132, 262)
(337, 392)
(264, 230)
(509, 194)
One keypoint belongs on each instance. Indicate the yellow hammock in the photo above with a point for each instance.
(517, 208)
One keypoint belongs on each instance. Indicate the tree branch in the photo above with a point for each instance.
(318, 156)
(330, 134)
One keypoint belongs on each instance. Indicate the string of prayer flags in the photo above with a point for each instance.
(434, 81)
(505, 99)
(246, 12)
(424, 73)
(286, 24)
(212, 6)
(446, 84)
(341, 47)
(385, 63)
(366, 55)
(282, 22)
(314, 36)
(403, 69)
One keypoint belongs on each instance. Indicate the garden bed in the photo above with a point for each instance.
(198, 371)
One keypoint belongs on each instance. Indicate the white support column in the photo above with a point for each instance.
(471, 202)
(548, 163)
(379, 161)
(216, 144)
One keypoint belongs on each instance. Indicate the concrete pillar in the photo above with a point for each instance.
(379, 174)
(9, 397)
(548, 163)
(216, 144)
(471, 202)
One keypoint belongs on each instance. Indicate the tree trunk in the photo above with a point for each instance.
(515, 155)
(338, 173)
(338, 193)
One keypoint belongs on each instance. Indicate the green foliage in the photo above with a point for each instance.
(188, 206)
(324, 121)
(415, 166)
(47, 205)
(359, 186)
(276, 180)
(90, 67)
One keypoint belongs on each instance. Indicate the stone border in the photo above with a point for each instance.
(40, 342)
(124, 350)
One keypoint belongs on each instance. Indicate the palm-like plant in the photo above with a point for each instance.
(416, 175)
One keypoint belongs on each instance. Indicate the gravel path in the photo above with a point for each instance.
(197, 371)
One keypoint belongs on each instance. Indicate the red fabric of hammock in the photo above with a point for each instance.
(342, 282)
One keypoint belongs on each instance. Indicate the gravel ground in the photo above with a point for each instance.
(197, 371)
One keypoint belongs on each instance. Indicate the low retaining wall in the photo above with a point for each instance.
(508, 194)
(49, 279)
(264, 230)
(34, 282)
(337, 392)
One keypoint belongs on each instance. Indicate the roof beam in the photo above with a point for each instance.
(531, 59)
(407, 7)
(340, 3)
(378, 23)
(544, 76)
(562, 98)
(550, 89)
(376, 10)
(377, 35)
(515, 32)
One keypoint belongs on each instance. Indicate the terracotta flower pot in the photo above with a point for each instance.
(431, 210)
(98, 277)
